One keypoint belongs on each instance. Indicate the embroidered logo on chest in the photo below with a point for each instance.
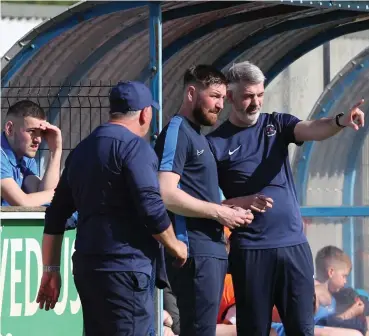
(270, 130)
(231, 152)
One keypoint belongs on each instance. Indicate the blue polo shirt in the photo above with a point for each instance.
(11, 167)
(183, 150)
(255, 160)
(111, 179)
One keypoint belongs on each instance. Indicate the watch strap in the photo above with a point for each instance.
(338, 116)
(48, 269)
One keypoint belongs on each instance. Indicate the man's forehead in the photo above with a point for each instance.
(219, 88)
(31, 122)
(254, 89)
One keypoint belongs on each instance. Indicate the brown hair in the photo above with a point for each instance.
(204, 75)
(26, 108)
(327, 257)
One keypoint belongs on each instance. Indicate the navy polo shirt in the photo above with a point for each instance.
(183, 150)
(111, 179)
(11, 167)
(255, 160)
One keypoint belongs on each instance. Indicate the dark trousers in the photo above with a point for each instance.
(198, 287)
(267, 277)
(115, 303)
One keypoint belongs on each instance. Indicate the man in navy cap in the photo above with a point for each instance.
(111, 179)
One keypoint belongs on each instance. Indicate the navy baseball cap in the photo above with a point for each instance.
(130, 96)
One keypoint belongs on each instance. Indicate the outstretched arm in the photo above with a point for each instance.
(324, 128)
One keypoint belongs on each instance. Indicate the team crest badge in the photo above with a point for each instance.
(270, 130)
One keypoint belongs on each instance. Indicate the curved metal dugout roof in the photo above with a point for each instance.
(108, 41)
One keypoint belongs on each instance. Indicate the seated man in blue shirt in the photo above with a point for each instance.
(111, 179)
(189, 187)
(270, 260)
(25, 128)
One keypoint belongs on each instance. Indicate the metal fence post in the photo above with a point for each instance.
(155, 28)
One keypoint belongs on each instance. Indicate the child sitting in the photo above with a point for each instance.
(332, 268)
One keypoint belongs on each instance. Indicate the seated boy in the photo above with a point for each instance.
(332, 268)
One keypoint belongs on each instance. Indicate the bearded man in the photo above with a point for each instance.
(189, 187)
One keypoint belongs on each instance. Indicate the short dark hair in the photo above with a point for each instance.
(345, 298)
(26, 108)
(327, 257)
(205, 75)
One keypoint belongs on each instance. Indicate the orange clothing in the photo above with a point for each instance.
(275, 315)
(228, 298)
(227, 232)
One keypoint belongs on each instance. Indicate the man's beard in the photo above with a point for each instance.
(251, 109)
(247, 118)
(204, 118)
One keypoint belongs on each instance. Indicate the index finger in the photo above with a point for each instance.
(50, 126)
(52, 304)
(41, 303)
(358, 104)
(41, 127)
(265, 198)
(242, 210)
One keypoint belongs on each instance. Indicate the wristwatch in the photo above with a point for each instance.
(48, 269)
(338, 116)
